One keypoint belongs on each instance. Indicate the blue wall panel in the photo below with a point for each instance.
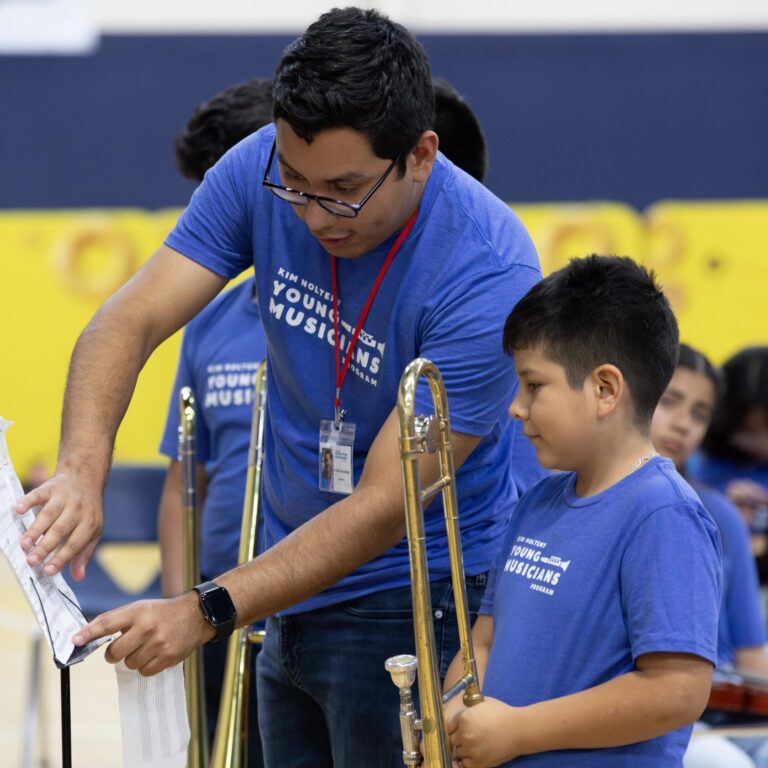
(634, 118)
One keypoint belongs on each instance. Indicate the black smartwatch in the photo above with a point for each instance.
(218, 609)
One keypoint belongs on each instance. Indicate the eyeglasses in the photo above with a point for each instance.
(336, 207)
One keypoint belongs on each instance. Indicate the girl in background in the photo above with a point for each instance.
(680, 422)
(735, 449)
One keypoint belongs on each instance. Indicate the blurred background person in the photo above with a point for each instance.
(220, 353)
(679, 424)
(735, 449)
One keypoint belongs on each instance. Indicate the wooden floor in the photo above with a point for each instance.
(96, 739)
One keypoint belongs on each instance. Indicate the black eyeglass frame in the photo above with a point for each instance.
(305, 197)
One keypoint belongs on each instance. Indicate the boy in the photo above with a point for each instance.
(598, 631)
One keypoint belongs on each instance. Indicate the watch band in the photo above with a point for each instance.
(218, 609)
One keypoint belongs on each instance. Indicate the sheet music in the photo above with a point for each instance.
(153, 718)
(50, 597)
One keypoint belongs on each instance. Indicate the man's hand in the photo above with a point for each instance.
(155, 634)
(483, 735)
(70, 522)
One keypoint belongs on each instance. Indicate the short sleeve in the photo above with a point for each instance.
(215, 229)
(185, 377)
(741, 597)
(675, 552)
(486, 605)
(464, 339)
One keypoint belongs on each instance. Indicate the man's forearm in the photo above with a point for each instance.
(316, 555)
(348, 534)
(102, 376)
(170, 533)
(109, 354)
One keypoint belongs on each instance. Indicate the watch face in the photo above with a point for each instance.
(218, 605)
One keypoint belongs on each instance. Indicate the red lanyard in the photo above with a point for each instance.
(340, 375)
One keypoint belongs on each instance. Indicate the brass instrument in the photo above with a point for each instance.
(231, 739)
(197, 755)
(416, 437)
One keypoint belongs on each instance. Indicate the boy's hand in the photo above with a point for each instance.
(484, 735)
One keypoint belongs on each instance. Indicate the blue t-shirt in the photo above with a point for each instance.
(585, 585)
(741, 619)
(445, 297)
(718, 472)
(221, 351)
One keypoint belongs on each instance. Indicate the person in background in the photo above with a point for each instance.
(461, 137)
(734, 455)
(220, 352)
(679, 424)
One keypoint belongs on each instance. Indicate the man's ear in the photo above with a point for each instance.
(609, 388)
(422, 156)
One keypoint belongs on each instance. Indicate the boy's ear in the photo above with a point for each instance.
(422, 157)
(609, 388)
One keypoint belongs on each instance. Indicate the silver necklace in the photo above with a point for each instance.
(643, 460)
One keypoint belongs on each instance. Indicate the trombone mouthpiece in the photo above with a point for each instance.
(403, 669)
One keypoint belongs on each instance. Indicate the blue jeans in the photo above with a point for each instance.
(325, 699)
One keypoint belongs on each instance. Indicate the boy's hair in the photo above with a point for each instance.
(461, 137)
(220, 123)
(696, 361)
(745, 387)
(356, 69)
(601, 309)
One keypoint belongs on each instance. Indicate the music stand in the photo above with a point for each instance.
(65, 697)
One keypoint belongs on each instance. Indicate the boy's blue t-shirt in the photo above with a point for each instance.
(741, 618)
(445, 297)
(583, 586)
(221, 350)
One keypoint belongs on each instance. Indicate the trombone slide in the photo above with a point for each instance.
(418, 435)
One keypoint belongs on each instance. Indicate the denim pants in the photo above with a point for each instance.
(325, 699)
(214, 661)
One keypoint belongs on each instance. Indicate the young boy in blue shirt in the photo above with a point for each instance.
(598, 632)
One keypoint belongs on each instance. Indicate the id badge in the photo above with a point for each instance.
(335, 454)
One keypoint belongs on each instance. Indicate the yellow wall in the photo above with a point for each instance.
(56, 267)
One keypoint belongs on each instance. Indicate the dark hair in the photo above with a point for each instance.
(220, 123)
(461, 138)
(696, 361)
(596, 310)
(745, 387)
(357, 69)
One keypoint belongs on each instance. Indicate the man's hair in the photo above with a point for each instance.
(461, 138)
(745, 387)
(597, 310)
(356, 69)
(220, 123)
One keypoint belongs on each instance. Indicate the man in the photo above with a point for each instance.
(423, 261)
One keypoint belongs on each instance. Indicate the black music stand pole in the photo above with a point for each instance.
(66, 720)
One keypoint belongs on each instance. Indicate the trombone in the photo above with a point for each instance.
(417, 435)
(231, 739)
(197, 753)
